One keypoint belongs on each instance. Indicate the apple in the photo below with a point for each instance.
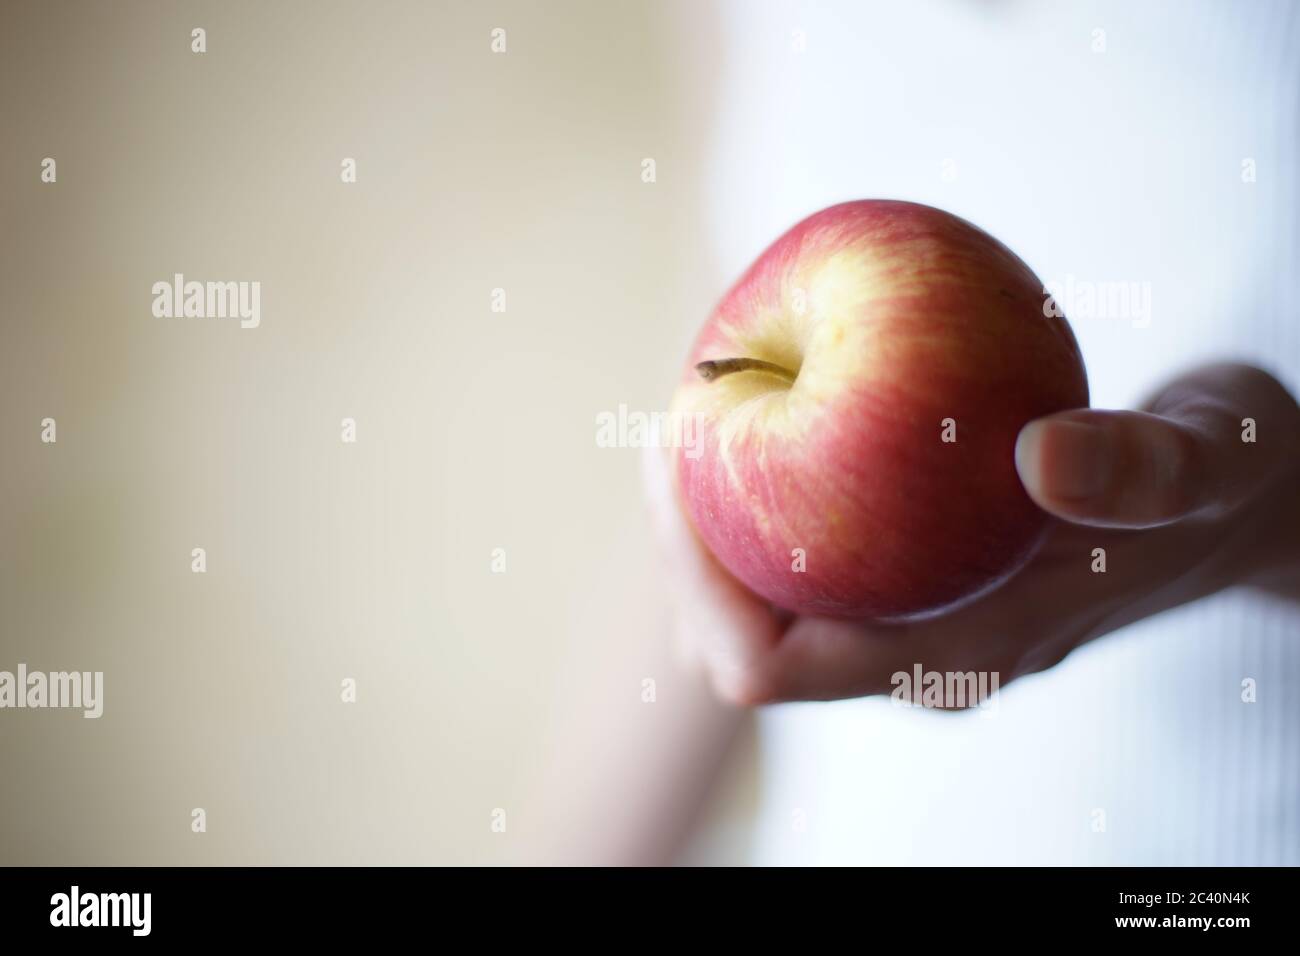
(859, 392)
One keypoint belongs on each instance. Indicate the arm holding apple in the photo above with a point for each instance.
(1182, 505)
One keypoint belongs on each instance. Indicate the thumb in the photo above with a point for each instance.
(1188, 456)
(1117, 469)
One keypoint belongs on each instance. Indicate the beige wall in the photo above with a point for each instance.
(475, 430)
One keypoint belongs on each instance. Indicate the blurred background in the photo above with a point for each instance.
(1096, 140)
(475, 429)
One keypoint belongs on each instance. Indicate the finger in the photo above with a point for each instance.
(1247, 417)
(718, 619)
(824, 659)
(1115, 469)
(1197, 450)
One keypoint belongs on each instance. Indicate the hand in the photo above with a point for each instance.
(1180, 503)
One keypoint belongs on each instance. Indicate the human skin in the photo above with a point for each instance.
(1182, 506)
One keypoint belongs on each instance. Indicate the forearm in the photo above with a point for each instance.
(631, 766)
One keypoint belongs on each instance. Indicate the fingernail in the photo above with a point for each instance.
(1064, 459)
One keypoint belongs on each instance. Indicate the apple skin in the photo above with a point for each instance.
(893, 316)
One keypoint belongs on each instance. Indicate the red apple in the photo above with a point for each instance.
(860, 390)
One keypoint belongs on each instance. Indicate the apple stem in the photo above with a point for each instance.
(719, 367)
